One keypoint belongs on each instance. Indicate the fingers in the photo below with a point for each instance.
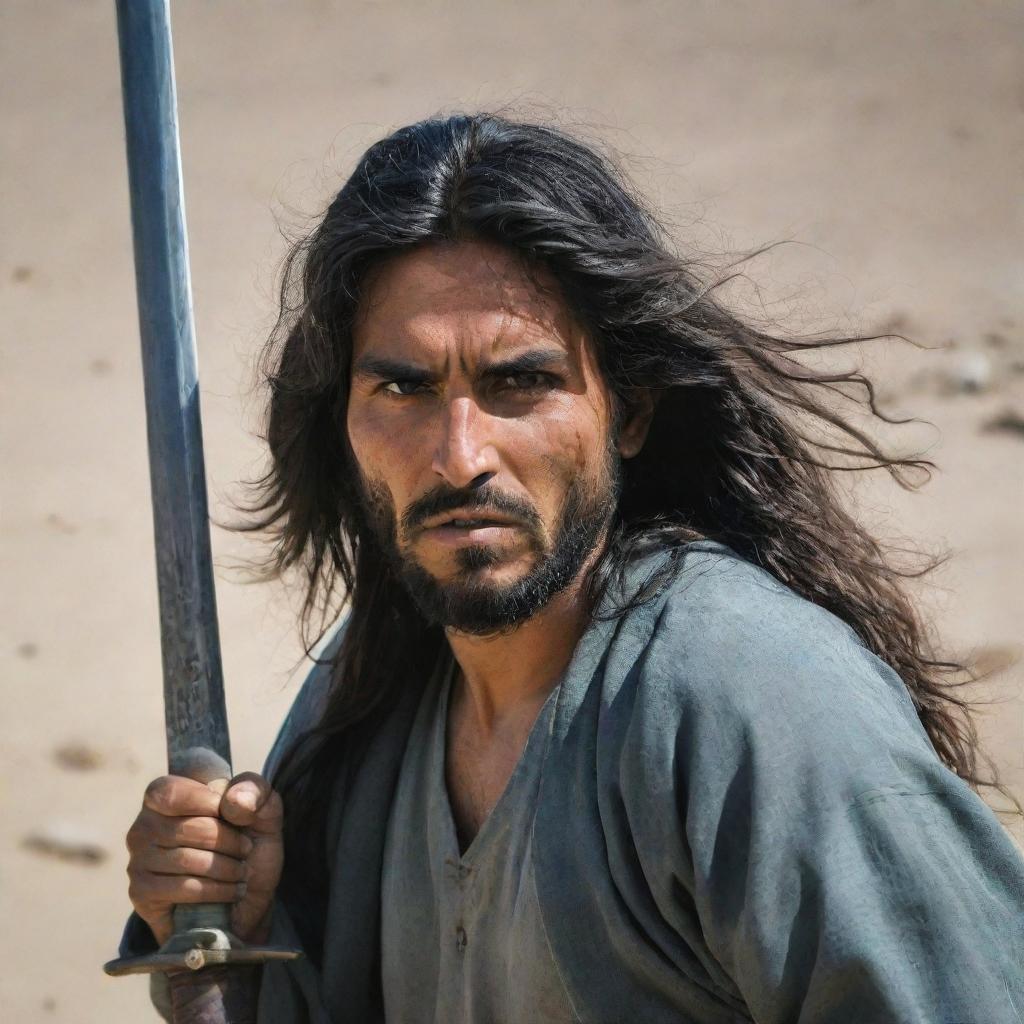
(176, 796)
(205, 833)
(162, 891)
(249, 802)
(196, 843)
(185, 861)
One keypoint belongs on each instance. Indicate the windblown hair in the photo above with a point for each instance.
(744, 447)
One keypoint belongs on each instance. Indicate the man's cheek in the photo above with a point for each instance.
(379, 507)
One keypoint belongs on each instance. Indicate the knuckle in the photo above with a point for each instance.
(201, 832)
(192, 887)
(157, 794)
(195, 862)
(138, 837)
(155, 787)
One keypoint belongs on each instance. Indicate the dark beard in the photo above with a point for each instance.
(468, 604)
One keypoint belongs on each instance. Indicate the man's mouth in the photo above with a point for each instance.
(463, 521)
(462, 528)
(469, 523)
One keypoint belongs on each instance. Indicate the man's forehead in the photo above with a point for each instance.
(478, 289)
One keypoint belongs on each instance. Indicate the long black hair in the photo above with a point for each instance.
(744, 447)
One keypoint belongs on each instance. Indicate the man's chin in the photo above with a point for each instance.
(479, 568)
(480, 599)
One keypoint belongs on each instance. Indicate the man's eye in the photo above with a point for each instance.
(523, 382)
(404, 387)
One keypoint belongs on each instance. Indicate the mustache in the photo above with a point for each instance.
(448, 499)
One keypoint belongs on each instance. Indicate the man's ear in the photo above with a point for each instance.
(635, 420)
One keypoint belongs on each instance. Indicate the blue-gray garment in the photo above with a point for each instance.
(462, 938)
(740, 818)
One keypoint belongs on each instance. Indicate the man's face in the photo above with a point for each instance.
(481, 427)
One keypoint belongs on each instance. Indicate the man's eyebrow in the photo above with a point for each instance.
(384, 368)
(388, 369)
(526, 362)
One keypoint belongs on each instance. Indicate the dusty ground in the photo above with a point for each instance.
(886, 138)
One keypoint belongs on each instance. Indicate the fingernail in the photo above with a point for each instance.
(246, 800)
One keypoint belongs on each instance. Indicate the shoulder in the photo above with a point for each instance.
(734, 651)
(774, 772)
(732, 606)
(754, 713)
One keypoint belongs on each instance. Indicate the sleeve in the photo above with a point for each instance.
(904, 905)
(839, 871)
(137, 940)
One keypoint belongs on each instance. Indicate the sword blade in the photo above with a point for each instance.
(196, 719)
(197, 727)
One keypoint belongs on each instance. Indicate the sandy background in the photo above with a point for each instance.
(884, 137)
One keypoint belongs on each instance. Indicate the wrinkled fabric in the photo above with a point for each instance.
(740, 818)
(462, 935)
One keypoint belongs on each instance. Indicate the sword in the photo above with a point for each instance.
(196, 719)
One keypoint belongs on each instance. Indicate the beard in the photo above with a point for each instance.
(469, 602)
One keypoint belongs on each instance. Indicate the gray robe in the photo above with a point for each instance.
(740, 818)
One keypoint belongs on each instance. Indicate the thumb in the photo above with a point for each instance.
(250, 802)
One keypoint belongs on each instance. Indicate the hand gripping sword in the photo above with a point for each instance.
(197, 728)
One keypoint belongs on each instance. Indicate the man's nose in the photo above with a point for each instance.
(465, 455)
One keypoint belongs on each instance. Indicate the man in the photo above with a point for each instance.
(626, 718)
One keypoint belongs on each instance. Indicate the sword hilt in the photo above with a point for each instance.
(202, 931)
(196, 948)
(202, 938)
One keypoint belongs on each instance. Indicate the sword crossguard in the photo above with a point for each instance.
(196, 948)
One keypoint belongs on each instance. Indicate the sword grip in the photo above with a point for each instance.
(202, 915)
(209, 767)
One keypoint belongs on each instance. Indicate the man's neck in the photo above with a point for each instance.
(503, 674)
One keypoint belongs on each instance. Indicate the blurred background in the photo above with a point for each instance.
(883, 139)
